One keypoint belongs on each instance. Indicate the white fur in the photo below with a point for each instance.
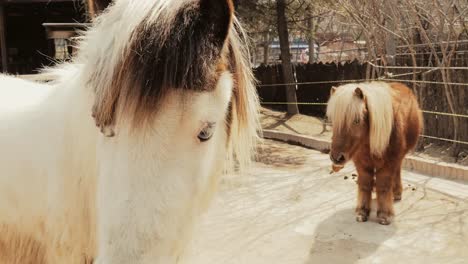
(344, 107)
(167, 184)
(150, 185)
(132, 198)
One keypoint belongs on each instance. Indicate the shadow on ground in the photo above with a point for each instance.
(280, 122)
(340, 239)
(280, 155)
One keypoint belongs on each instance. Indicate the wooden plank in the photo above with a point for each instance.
(3, 43)
(91, 8)
(60, 34)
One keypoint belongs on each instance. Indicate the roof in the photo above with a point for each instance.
(66, 25)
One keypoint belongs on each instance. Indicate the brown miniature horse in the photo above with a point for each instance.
(375, 125)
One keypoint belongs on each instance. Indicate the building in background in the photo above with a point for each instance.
(299, 52)
(328, 47)
(37, 33)
(342, 49)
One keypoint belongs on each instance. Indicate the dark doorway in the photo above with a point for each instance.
(28, 48)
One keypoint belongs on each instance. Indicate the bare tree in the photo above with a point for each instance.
(430, 32)
(287, 68)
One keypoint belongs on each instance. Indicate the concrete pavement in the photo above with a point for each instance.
(290, 210)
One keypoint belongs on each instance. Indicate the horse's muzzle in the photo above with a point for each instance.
(337, 158)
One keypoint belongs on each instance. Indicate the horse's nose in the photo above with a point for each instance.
(337, 157)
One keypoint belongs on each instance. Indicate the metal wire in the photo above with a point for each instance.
(444, 113)
(445, 139)
(424, 111)
(418, 67)
(428, 82)
(314, 103)
(286, 103)
(360, 80)
(317, 82)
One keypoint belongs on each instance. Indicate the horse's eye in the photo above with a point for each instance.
(207, 132)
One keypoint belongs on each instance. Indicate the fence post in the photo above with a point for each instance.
(3, 43)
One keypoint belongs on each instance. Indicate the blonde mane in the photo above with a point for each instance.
(245, 125)
(344, 107)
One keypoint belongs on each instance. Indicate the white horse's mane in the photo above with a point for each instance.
(344, 107)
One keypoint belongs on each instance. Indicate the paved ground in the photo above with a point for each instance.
(292, 210)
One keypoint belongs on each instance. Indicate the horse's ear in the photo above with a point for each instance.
(333, 90)
(358, 93)
(216, 17)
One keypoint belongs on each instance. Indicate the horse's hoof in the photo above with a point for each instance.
(362, 218)
(384, 218)
(384, 221)
(397, 197)
(108, 131)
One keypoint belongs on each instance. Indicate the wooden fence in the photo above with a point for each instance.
(429, 87)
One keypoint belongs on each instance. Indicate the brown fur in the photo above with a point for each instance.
(12, 241)
(384, 173)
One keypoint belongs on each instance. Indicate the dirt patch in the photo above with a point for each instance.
(298, 124)
(281, 155)
(441, 152)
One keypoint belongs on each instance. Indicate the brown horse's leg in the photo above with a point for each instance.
(397, 185)
(365, 186)
(384, 187)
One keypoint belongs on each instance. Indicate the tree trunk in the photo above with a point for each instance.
(288, 75)
(311, 37)
(390, 42)
(91, 8)
(390, 47)
(266, 49)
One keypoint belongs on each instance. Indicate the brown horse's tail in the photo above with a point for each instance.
(417, 114)
(414, 116)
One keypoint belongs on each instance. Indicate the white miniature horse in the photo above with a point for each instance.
(168, 84)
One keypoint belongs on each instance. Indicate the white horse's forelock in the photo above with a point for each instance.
(344, 107)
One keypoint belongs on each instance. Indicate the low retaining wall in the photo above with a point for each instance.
(412, 163)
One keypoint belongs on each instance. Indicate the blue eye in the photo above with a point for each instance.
(207, 132)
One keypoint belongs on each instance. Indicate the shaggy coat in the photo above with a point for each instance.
(114, 160)
(375, 125)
